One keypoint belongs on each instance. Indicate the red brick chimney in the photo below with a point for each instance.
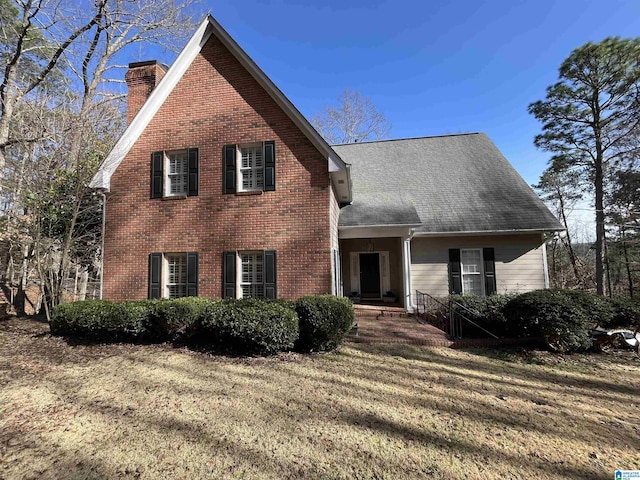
(141, 78)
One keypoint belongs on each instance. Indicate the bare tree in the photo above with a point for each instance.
(77, 119)
(355, 119)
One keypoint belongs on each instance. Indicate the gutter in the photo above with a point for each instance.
(102, 193)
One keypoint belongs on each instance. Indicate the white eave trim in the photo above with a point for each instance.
(158, 96)
(398, 225)
(487, 232)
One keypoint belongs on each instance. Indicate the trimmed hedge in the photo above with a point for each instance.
(486, 312)
(554, 315)
(102, 320)
(178, 319)
(250, 325)
(324, 321)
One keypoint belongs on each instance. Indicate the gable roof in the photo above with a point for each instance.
(456, 183)
(208, 27)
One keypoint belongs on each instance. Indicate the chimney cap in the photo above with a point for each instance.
(142, 64)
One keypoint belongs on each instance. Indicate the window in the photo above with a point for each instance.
(252, 278)
(176, 270)
(256, 275)
(174, 173)
(472, 271)
(250, 167)
(471, 263)
(173, 275)
(177, 173)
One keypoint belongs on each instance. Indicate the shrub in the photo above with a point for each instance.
(553, 315)
(486, 312)
(250, 325)
(324, 321)
(599, 308)
(101, 320)
(626, 313)
(178, 319)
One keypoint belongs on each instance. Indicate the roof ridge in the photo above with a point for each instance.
(409, 138)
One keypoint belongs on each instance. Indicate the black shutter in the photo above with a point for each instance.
(192, 274)
(455, 273)
(489, 271)
(229, 275)
(229, 169)
(155, 275)
(192, 188)
(157, 174)
(269, 166)
(270, 274)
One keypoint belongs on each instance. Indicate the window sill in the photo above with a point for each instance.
(175, 197)
(249, 192)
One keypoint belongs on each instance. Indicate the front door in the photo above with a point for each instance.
(370, 275)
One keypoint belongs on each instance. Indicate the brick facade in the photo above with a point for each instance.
(217, 102)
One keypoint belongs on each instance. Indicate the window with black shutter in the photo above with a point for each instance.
(249, 167)
(173, 275)
(174, 173)
(472, 271)
(250, 274)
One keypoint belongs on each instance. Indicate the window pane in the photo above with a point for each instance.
(176, 276)
(252, 275)
(470, 260)
(472, 284)
(177, 172)
(251, 168)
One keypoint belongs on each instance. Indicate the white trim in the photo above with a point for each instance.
(406, 273)
(545, 265)
(374, 232)
(209, 26)
(486, 232)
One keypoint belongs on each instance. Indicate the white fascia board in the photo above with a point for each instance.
(102, 178)
(375, 231)
(486, 232)
(341, 180)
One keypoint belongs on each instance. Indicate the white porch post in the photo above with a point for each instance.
(406, 273)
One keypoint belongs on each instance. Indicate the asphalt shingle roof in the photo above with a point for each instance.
(453, 183)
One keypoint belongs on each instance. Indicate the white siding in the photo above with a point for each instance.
(519, 261)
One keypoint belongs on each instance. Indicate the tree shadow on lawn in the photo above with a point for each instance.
(491, 365)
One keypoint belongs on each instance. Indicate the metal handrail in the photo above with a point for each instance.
(450, 311)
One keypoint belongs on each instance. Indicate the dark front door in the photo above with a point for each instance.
(370, 275)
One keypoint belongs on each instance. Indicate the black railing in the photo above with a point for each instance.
(447, 314)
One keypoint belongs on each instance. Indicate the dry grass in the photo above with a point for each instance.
(125, 411)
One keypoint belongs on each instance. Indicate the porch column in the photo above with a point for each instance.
(406, 274)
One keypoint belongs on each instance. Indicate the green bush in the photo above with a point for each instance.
(324, 321)
(626, 313)
(249, 325)
(599, 308)
(484, 311)
(178, 319)
(552, 315)
(102, 320)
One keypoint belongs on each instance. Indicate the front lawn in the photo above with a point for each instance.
(366, 411)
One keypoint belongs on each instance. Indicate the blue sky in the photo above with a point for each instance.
(432, 67)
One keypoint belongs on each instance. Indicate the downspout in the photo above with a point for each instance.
(104, 221)
(545, 263)
(406, 261)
